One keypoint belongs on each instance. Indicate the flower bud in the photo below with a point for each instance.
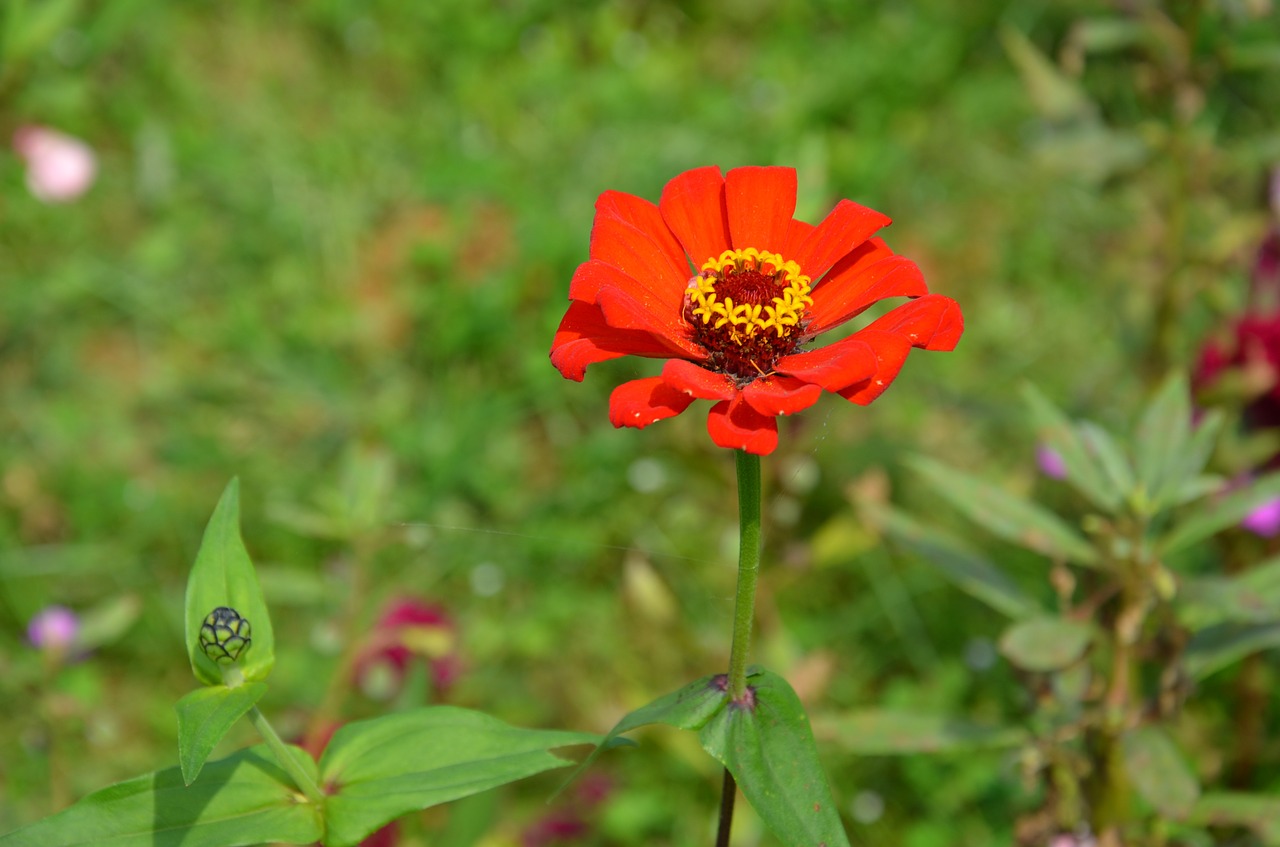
(224, 635)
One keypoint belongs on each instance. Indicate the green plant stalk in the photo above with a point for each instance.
(744, 608)
(285, 757)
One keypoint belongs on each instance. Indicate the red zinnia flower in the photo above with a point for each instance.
(763, 287)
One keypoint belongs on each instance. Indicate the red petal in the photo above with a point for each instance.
(848, 225)
(780, 395)
(644, 401)
(584, 338)
(891, 352)
(618, 243)
(623, 311)
(846, 292)
(698, 382)
(645, 217)
(834, 367)
(735, 425)
(693, 206)
(932, 322)
(761, 203)
(797, 233)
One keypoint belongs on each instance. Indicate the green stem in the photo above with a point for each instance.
(744, 607)
(285, 756)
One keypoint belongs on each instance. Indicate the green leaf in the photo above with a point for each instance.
(1007, 515)
(1259, 812)
(769, 749)
(1210, 650)
(1220, 513)
(1045, 644)
(241, 800)
(1161, 439)
(872, 732)
(383, 768)
(1159, 772)
(970, 572)
(1110, 456)
(1084, 470)
(1185, 482)
(223, 575)
(1252, 596)
(204, 716)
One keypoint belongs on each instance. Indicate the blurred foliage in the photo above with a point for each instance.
(327, 229)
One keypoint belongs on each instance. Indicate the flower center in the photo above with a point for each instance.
(746, 309)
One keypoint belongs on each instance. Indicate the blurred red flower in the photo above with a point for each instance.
(763, 286)
(410, 629)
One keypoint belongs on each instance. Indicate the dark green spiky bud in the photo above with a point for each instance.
(224, 635)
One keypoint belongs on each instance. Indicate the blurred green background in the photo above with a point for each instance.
(333, 238)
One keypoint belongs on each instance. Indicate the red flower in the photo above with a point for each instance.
(763, 286)
(410, 630)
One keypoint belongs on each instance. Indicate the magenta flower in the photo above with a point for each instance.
(1264, 520)
(411, 629)
(54, 628)
(59, 168)
(1050, 462)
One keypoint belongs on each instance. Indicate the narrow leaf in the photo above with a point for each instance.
(1110, 456)
(1162, 435)
(244, 799)
(1046, 644)
(383, 768)
(1217, 514)
(1210, 650)
(872, 732)
(767, 745)
(204, 716)
(1084, 471)
(223, 575)
(972, 573)
(1259, 812)
(1159, 772)
(1185, 481)
(1007, 515)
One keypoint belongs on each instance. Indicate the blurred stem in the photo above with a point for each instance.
(748, 467)
(331, 702)
(285, 756)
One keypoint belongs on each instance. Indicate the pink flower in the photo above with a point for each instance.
(1264, 520)
(1050, 463)
(59, 168)
(54, 628)
(410, 629)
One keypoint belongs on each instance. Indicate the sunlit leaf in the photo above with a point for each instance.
(872, 732)
(382, 768)
(1046, 644)
(1162, 437)
(1111, 457)
(205, 715)
(223, 575)
(1259, 812)
(244, 799)
(1159, 772)
(1007, 515)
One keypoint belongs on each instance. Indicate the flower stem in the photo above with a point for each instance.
(285, 756)
(748, 466)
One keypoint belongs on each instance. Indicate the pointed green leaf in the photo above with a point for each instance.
(383, 768)
(1046, 644)
(1218, 513)
(872, 732)
(205, 715)
(1185, 482)
(1110, 456)
(244, 799)
(1159, 772)
(223, 575)
(1252, 596)
(1161, 439)
(1210, 650)
(1084, 469)
(1007, 515)
(769, 748)
(970, 572)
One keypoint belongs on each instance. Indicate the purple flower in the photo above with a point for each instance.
(59, 168)
(53, 628)
(1051, 464)
(1264, 520)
